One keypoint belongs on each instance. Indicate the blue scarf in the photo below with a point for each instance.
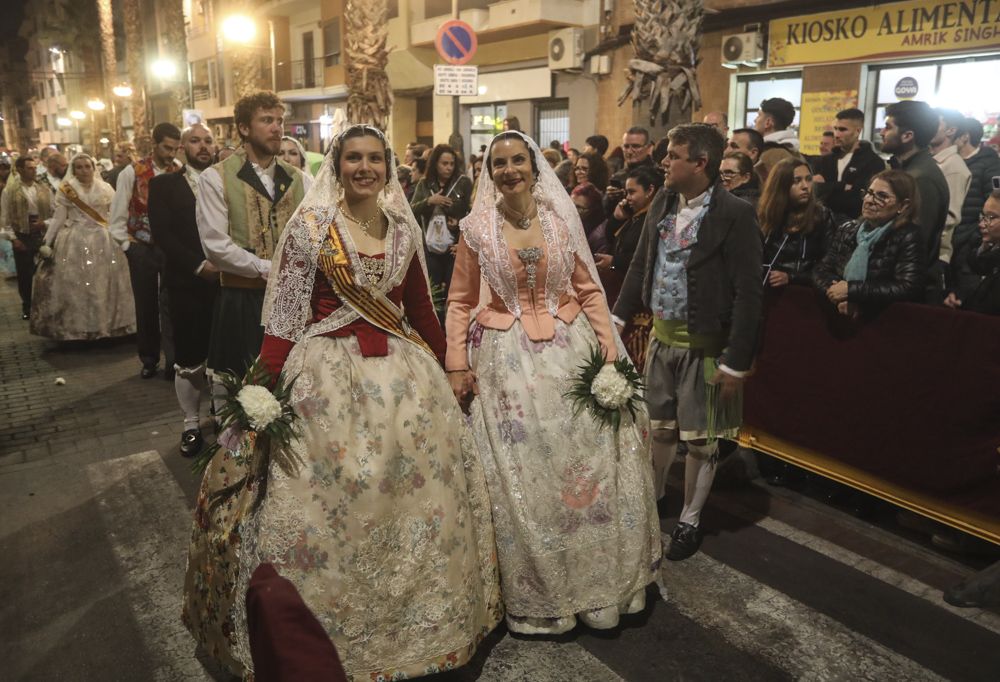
(856, 269)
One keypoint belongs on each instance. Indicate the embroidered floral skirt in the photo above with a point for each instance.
(573, 508)
(83, 292)
(385, 530)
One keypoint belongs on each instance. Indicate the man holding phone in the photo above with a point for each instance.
(637, 148)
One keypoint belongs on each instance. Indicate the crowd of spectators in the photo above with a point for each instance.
(837, 221)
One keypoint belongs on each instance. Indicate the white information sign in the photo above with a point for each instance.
(456, 80)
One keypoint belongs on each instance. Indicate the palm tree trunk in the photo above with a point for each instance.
(662, 77)
(175, 36)
(110, 64)
(137, 76)
(369, 98)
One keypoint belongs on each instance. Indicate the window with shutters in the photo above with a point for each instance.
(331, 42)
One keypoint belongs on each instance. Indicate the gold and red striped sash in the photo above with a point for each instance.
(82, 205)
(372, 305)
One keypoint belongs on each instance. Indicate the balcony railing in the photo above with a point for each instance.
(306, 73)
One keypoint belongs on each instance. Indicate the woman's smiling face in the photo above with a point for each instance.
(510, 166)
(362, 167)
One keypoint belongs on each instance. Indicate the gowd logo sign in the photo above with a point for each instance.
(906, 88)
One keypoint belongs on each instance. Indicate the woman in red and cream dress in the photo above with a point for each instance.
(384, 529)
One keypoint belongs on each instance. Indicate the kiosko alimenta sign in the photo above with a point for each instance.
(892, 30)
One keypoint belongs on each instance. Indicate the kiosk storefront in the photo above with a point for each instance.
(946, 53)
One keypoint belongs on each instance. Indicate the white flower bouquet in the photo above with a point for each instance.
(256, 422)
(606, 389)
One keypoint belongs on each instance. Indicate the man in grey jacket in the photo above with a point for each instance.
(697, 267)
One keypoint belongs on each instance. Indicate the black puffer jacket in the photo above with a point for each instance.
(985, 298)
(797, 253)
(895, 267)
(749, 191)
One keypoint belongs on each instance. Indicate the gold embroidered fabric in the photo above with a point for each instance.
(385, 530)
(573, 506)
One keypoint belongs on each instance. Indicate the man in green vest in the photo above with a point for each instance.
(243, 205)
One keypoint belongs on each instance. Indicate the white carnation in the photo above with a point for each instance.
(261, 407)
(611, 388)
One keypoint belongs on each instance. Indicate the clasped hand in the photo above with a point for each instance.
(464, 386)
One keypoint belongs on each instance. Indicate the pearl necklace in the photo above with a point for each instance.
(365, 225)
(521, 221)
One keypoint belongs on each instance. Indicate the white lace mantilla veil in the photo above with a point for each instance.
(97, 186)
(562, 229)
(287, 301)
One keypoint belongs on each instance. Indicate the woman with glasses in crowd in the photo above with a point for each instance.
(876, 260)
(739, 177)
(984, 261)
(591, 168)
(795, 226)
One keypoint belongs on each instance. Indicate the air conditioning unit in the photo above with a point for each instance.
(566, 49)
(742, 49)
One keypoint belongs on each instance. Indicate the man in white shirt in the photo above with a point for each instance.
(24, 207)
(956, 174)
(243, 205)
(129, 225)
(697, 268)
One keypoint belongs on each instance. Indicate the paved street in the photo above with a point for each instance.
(94, 518)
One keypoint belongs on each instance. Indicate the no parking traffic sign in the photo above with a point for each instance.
(456, 42)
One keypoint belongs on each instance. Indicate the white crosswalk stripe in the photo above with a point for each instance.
(149, 527)
(535, 659)
(889, 576)
(762, 621)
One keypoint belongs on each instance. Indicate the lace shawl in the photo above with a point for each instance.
(288, 299)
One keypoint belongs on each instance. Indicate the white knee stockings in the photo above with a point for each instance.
(189, 382)
(699, 472)
(664, 452)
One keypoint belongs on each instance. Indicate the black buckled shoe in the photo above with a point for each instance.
(684, 542)
(191, 442)
(148, 371)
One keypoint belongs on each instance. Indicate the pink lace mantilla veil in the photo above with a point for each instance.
(287, 301)
(562, 229)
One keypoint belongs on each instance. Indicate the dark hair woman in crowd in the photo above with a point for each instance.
(624, 230)
(983, 262)
(795, 226)
(590, 205)
(739, 177)
(876, 260)
(593, 169)
(440, 200)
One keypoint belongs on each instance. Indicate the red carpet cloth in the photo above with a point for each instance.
(911, 396)
(286, 641)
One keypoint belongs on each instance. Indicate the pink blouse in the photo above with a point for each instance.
(536, 320)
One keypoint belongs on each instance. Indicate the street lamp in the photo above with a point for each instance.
(239, 28)
(123, 90)
(164, 69)
(63, 122)
(96, 105)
